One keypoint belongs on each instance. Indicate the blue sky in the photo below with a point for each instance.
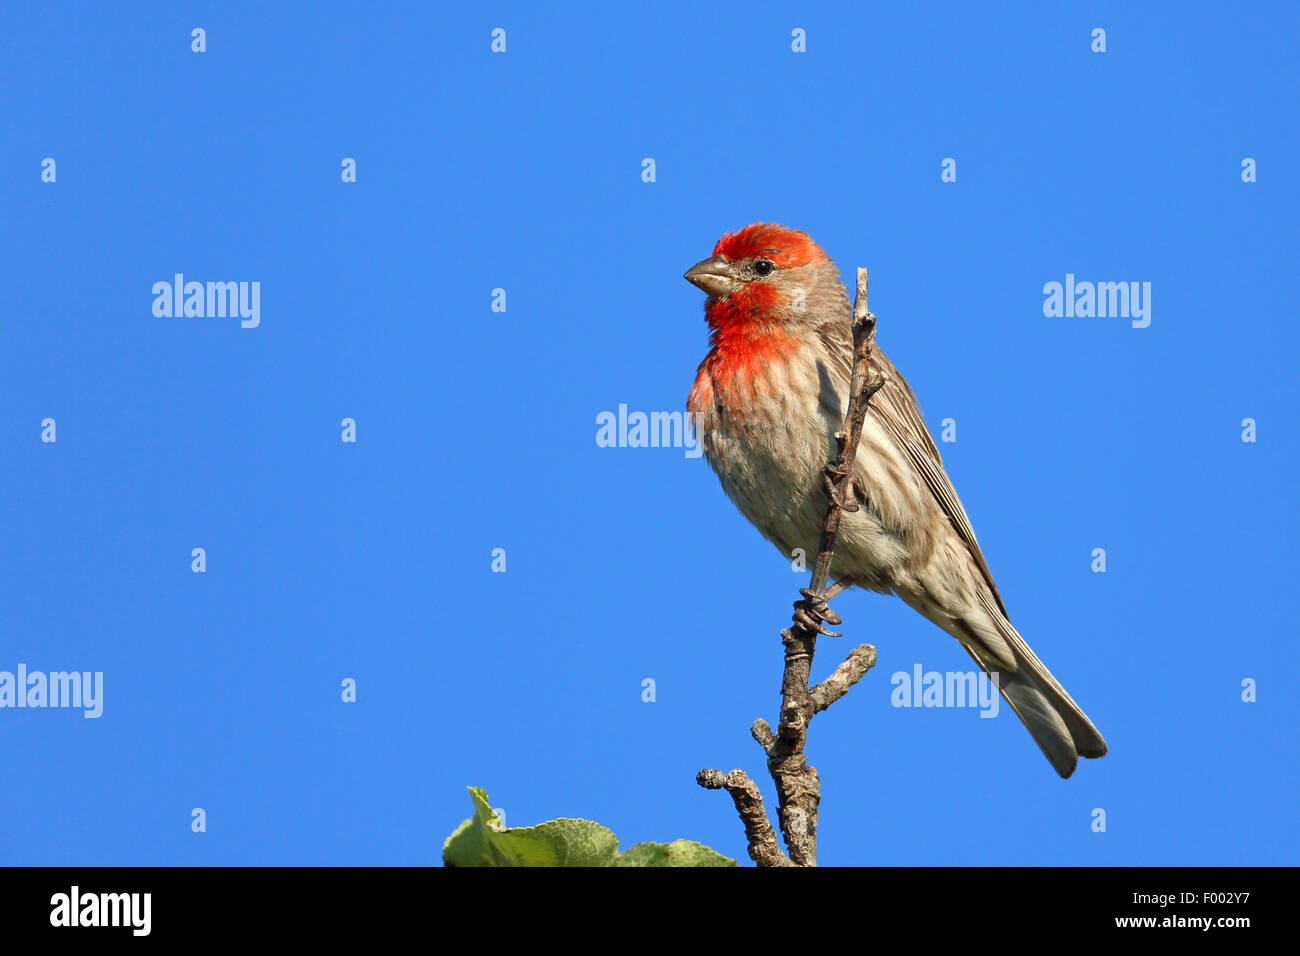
(476, 429)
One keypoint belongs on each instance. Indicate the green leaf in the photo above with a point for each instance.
(483, 841)
(677, 853)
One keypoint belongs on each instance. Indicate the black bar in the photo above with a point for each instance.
(338, 905)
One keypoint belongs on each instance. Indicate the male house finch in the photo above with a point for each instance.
(767, 401)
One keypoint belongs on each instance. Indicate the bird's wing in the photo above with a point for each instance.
(896, 409)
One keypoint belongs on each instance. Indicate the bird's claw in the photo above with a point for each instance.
(831, 479)
(813, 614)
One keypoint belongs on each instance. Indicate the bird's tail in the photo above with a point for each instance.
(1058, 725)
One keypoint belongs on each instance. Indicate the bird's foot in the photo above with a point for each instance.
(813, 614)
(843, 584)
(833, 479)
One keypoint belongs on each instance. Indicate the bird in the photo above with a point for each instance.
(766, 403)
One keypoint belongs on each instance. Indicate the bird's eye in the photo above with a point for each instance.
(764, 267)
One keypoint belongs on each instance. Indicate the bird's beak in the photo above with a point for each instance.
(713, 275)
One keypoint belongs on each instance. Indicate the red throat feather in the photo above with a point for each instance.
(743, 345)
(745, 337)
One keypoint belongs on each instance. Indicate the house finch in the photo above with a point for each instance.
(767, 402)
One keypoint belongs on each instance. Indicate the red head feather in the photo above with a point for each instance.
(785, 247)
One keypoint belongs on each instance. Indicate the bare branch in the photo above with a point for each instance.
(860, 660)
(839, 472)
(797, 785)
(763, 848)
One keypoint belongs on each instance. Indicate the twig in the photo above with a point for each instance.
(797, 785)
(850, 671)
(763, 848)
(839, 473)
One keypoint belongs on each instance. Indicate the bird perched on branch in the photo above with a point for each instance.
(767, 402)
